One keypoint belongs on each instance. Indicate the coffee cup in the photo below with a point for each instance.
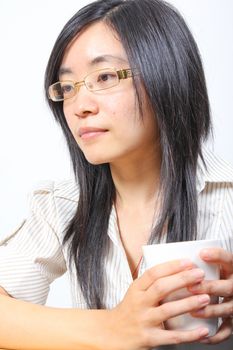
(160, 253)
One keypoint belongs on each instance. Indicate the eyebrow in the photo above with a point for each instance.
(64, 70)
(107, 58)
(99, 59)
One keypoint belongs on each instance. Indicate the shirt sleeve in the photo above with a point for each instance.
(31, 257)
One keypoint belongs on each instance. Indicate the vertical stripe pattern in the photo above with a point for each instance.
(33, 256)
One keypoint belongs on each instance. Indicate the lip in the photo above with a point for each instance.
(90, 132)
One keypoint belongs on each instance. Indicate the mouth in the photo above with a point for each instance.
(90, 132)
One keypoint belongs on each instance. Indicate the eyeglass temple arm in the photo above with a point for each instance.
(124, 73)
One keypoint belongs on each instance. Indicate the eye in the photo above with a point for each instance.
(67, 88)
(100, 80)
(105, 77)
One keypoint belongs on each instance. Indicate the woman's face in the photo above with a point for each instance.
(106, 124)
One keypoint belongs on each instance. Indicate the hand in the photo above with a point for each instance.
(138, 319)
(221, 288)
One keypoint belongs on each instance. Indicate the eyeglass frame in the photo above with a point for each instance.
(123, 73)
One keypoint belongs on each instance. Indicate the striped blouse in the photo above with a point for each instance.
(33, 256)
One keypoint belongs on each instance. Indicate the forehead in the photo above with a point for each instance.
(95, 45)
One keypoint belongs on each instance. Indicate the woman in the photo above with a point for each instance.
(126, 84)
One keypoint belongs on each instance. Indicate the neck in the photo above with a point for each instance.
(137, 182)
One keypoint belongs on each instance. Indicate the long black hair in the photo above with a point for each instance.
(158, 42)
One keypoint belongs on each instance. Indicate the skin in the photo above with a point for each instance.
(127, 139)
(131, 148)
(223, 288)
(134, 324)
(131, 143)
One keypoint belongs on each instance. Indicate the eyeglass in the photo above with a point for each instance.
(98, 80)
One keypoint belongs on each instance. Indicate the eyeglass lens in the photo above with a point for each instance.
(95, 81)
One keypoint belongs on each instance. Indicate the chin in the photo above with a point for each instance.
(96, 160)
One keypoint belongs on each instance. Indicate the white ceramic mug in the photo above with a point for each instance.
(159, 253)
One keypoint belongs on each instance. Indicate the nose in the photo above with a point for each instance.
(85, 103)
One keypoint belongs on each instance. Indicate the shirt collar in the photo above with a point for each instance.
(113, 230)
(213, 170)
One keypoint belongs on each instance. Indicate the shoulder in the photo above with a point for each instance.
(54, 198)
(54, 201)
(213, 172)
(66, 189)
(215, 197)
(217, 169)
(214, 184)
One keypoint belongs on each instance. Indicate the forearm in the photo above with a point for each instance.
(134, 324)
(27, 326)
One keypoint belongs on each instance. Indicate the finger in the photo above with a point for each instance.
(174, 308)
(218, 256)
(224, 310)
(223, 333)
(176, 337)
(161, 270)
(221, 288)
(162, 287)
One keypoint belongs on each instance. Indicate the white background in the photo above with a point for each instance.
(31, 145)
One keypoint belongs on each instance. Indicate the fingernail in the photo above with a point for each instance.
(203, 299)
(198, 273)
(204, 341)
(198, 312)
(204, 332)
(206, 254)
(186, 263)
(195, 287)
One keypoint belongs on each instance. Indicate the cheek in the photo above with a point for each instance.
(70, 119)
(70, 122)
(119, 103)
